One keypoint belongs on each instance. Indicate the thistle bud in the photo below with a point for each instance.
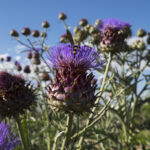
(16, 63)
(43, 34)
(76, 30)
(141, 33)
(26, 31)
(19, 68)
(148, 39)
(45, 76)
(98, 23)
(63, 38)
(14, 33)
(35, 33)
(36, 61)
(36, 70)
(29, 55)
(8, 58)
(27, 69)
(83, 22)
(93, 30)
(2, 59)
(141, 45)
(36, 54)
(45, 24)
(62, 16)
(95, 39)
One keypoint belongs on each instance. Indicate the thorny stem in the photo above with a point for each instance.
(93, 110)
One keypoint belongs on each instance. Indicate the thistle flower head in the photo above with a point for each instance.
(77, 57)
(73, 89)
(15, 94)
(114, 34)
(8, 140)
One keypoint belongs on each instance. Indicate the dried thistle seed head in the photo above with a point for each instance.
(15, 95)
(62, 16)
(14, 33)
(45, 24)
(26, 31)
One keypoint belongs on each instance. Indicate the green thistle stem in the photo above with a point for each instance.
(48, 133)
(93, 110)
(21, 133)
(66, 141)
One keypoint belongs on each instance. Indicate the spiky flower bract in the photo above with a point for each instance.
(73, 89)
(16, 95)
(8, 140)
(114, 34)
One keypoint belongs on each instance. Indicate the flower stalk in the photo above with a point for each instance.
(21, 133)
(66, 140)
(93, 110)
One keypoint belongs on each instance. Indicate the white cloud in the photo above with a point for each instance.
(4, 55)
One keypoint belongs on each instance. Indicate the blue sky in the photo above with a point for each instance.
(21, 13)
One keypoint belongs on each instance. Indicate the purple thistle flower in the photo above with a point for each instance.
(113, 23)
(84, 57)
(114, 34)
(8, 140)
(73, 89)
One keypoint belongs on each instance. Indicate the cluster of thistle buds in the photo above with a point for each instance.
(109, 35)
(27, 31)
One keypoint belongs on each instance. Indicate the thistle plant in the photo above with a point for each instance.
(76, 108)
